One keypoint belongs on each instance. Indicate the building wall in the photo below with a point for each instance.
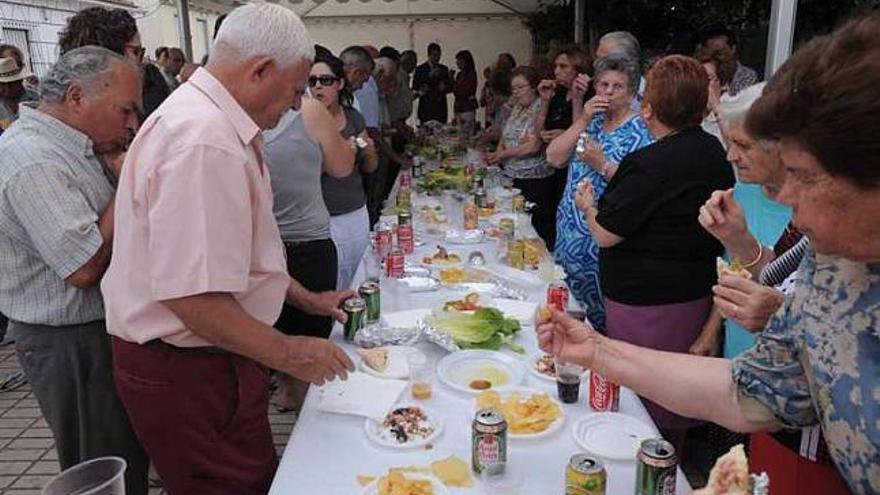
(38, 22)
(159, 27)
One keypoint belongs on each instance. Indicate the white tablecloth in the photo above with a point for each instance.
(326, 452)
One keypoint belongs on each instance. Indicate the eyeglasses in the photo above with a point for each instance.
(325, 80)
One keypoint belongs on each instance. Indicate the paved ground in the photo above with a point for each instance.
(27, 454)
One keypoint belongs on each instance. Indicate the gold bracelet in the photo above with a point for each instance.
(757, 258)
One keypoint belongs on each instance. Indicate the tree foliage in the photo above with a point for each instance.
(673, 24)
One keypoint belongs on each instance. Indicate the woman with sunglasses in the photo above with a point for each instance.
(344, 197)
(304, 146)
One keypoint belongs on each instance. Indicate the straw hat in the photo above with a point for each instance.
(11, 72)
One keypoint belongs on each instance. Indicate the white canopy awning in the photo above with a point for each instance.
(320, 8)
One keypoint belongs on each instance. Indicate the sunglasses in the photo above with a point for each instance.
(324, 80)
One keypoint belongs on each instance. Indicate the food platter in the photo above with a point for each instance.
(437, 487)
(460, 371)
(457, 236)
(407, 426)
(542, 409)
(611, 435)
(533, 364)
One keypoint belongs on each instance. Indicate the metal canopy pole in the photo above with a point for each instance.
(781, 38)
(579, 9)
(184, 29)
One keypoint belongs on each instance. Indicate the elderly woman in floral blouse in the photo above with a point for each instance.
(520, 149)
(816, 360)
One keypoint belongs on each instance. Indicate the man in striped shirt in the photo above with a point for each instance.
(56, 230)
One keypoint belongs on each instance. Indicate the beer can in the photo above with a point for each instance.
(655, 471)
(488, 440)
(369, 292)
(585, 475)
(405, 233)
(354, 308)
(519, 203)
(604, 394)
(480, 198)
(557, 295)
(507, 227)
(471, 218)
(384, 239)
(394, 263)
(405, 179)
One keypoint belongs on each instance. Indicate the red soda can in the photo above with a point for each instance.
(394, 264)
(405, 238)
(557, 296)
(604, 395)
(383, 240)
(405, 178)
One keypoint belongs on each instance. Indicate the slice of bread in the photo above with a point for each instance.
(734, 269)
(730, 475)
(376, 358)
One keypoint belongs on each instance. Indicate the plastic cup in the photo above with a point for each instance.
(502, 479)
(100, 476)
(568, 381)
(421, 376)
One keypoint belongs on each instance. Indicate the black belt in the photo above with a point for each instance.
(208, 350)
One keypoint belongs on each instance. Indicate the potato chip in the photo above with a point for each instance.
(395, 483)
(524, 415)
(363, 480)
(453, 472)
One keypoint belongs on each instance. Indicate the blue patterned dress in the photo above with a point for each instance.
(575, 249)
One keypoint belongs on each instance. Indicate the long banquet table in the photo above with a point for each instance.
(326, 451)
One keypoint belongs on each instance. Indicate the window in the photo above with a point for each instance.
(21, 39)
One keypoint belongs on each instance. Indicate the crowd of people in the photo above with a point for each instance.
(171, 231)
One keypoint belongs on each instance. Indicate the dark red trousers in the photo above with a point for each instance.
(200, 415)
(790, 473)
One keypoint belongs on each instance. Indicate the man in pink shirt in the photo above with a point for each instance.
(198, 273)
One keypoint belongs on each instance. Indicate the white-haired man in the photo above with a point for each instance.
(198, 274)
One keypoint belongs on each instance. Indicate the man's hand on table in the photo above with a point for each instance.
(327, 303)
(570, 340)
(315, 360)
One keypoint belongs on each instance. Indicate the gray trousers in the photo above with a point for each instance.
(71, 372)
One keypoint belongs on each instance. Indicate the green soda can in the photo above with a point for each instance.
(355, 309)
(488, 441)
(655, 472)
(369, 291)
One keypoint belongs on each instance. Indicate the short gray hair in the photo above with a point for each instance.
(358, 56)
(262, 29)
(384, 66)
(619, 62)
(626, 43)
(86, 67)
(733, 109)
